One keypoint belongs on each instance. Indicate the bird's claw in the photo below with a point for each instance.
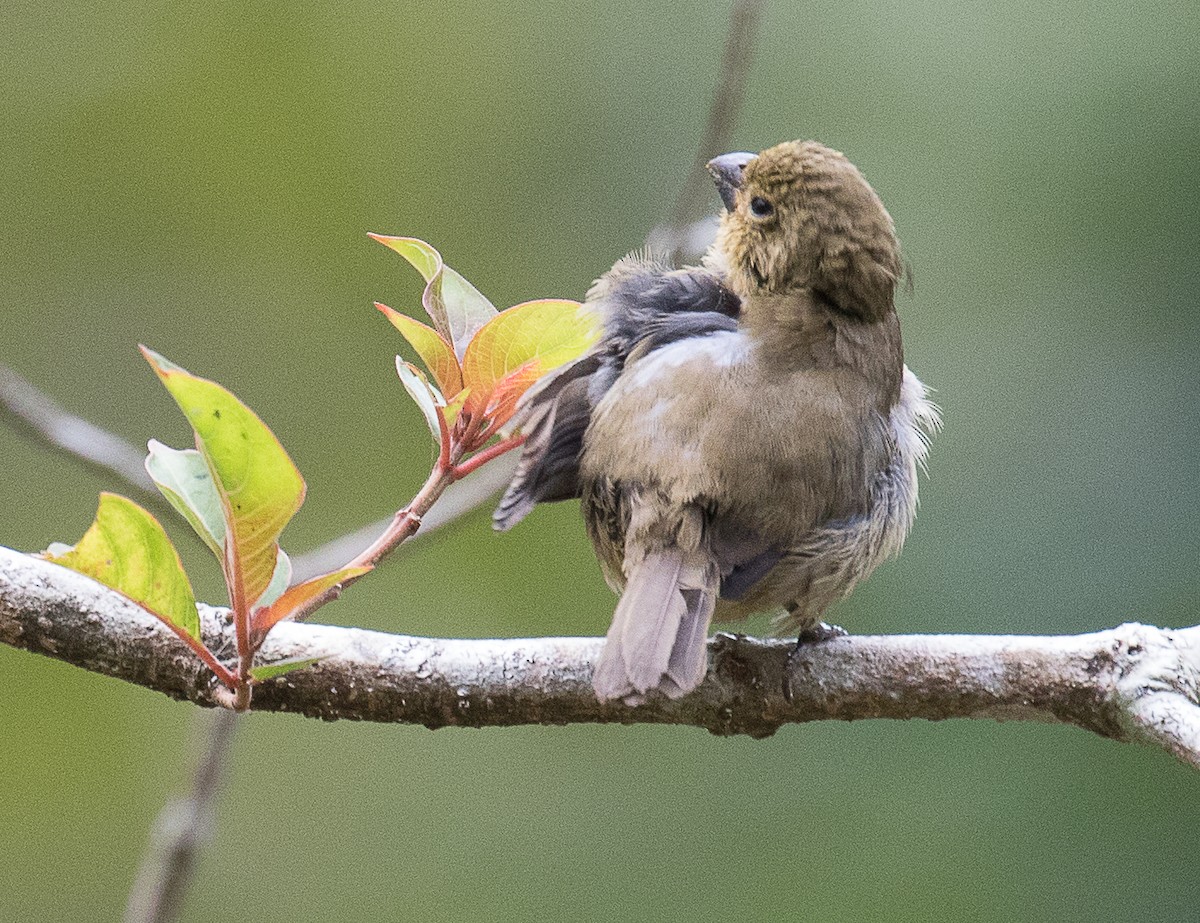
(821, 631)
(813, 634)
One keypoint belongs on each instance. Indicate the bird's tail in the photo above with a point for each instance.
(659, 631)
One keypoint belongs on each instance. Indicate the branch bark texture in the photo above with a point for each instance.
(1131, 683)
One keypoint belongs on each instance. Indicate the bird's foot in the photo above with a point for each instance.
(821, 631)
(813, 634)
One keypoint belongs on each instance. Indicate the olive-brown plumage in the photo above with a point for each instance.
(757, 457)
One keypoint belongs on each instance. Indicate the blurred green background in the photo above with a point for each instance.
(201, 178)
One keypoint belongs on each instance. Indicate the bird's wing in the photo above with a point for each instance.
(553, 419)
(645, 306)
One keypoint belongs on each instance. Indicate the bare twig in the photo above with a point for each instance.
(1132, 683)
(23, 403)
(30, 408)
(183, 828)
(690, 227)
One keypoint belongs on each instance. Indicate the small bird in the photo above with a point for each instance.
(745, 437)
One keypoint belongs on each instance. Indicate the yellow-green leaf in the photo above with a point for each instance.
(127, 550)
(550, 332)
(454, 406)
(434, 351)
(260, 488)
(455, 306)
(423, 257)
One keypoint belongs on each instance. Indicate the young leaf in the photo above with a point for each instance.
(422, 256)
(434, 351)
(294, 598)
(550, 332)
(267, 671)
(182, 476)
(279, 580)
(420, 391)
(503, 399)
(127, 550)
(467, 310)
(455, 306)
(455, 405)
(259, 486)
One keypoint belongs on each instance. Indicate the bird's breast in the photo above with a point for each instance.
(701, 421)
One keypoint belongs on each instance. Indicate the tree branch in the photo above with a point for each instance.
(43, 417)
(1132, 683)
(692, 223)
(183, 828)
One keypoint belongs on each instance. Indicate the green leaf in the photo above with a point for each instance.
(182, 476)
(434, 351)
(455, 405)
(455, 306)
(127, 550)
(268, 671)
(259, 487)
(422, 256)
(466, 309)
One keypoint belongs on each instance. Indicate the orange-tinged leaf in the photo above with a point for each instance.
(433, 349)
(508, 391)
(550, 332)
(424, 258)
(294, 598)
(259, 486)
(455, 306)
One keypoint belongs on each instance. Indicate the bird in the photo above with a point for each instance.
(745, 436)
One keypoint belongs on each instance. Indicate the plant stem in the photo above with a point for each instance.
(183, 828)
(404, 525)
(482, 458)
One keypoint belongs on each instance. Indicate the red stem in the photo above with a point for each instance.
(403, 527)
(241, 624)
(408, 520)
(227, 677)
(482, 458)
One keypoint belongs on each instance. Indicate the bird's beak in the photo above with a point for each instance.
(726, 172)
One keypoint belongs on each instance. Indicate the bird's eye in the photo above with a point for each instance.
(761, 207)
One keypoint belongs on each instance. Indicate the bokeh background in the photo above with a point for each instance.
(201, 178)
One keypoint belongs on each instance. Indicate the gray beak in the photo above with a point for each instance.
(726, 172)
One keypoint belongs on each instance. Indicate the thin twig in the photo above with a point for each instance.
(25, 404)
(1132, 683)
(690, 227)
(183, 828)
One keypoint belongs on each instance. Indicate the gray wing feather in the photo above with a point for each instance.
(645, 306)
(553, 419)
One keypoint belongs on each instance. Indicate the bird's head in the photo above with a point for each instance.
(801, 216)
